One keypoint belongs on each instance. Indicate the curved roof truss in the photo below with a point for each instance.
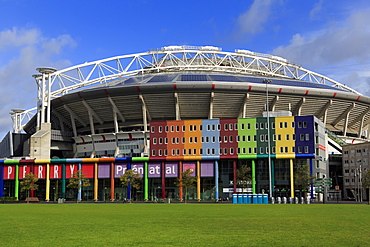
(182, 58)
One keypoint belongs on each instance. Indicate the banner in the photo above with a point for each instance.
(88, 170)
(171, 170)
(9, 171)
(23, 170)
(104, 170)
(206, 169)
(154, 170)
(119, 169)
(70, 170)
(55, 171)
(40, 171)
(139, 168)
(191, 166)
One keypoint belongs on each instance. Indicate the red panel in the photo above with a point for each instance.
(23, 170)
(88, 170)
(55, 171)
(70, 169)
(9, 171)
(40, 171)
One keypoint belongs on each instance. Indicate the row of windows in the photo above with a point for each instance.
(364, 150)
(225, 139)
(226, 127)
(227, 151)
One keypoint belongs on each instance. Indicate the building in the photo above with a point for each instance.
(100, 114)
(355, 164)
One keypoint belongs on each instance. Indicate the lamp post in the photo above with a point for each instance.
(267, 81)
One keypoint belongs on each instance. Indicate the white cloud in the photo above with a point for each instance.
(340, 46)
(24, 50)
(251, 21)
(316, 9)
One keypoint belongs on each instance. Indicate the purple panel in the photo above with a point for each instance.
(138, 167)
(190, 165)
(103, 171)
(119, 169)
(207, 169)
(172, 170)
(154, 170)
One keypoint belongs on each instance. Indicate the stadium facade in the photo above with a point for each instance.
(178, 107)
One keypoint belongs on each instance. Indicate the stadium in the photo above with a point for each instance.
(175, 108)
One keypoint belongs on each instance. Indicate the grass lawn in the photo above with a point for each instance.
(89, 224)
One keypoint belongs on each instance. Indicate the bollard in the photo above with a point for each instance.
(272, 200)
(302, 200)
(235, 198)
(296, 200)
(284, 200)
(290, 200)
(308, 200)
(279, 200)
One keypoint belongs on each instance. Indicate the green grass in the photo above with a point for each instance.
(88, 224)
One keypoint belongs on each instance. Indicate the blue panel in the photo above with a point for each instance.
(162, 78)
(194, 78)
(224, 78)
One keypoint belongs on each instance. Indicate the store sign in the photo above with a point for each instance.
(154, 170)
(56, 171)
(70, 170)
(119, 169)
(207, 169)
(9, 171)
(23, 170)
(190, 166)
(171, 170)
(104, 170)
(139, 168)
(40, 171)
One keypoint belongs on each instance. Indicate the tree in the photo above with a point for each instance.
(77, 181)
(303, 178)
(366, 182)
(29, 183)
(131, 179)
(243, 177)
(187, 181)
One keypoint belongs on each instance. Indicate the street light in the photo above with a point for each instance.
(267, 81)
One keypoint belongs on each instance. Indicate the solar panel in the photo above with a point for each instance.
(230, 78)
(162, 78)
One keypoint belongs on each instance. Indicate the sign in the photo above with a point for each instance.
(154, 170)
(190, 166)
(104, 170)
(336, 187)
(55, 171)
(139, 168)
(322, 147)
(171, 170)
(206, 169)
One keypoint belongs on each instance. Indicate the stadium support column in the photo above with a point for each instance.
(253, 177)
(16, 180)
(210, 114)
(111, 181)
(96, 181)
(291, 179)
(163, 180)
(146, 117)
(234, 175)
(64, 181)
(268, 133)
(146, 181)
(216, 180)
(79, 195)
(47, 196)
(198, 179)
(180, 177)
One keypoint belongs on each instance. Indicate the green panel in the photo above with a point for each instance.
(58, 161)
(253, 177)
(247, 156)
(140, 159)
(246, 133)
(11, 161)
(146, 181)
(16, 179)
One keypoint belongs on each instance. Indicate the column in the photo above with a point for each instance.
(291, 179)
(273, 177)
(311, 186)
(64, 181)
(16, 182)
(79, 194)
(111, 181)
(234, 175)
(146, 181)
(253, 177)
(1, 180)
(216, 180)
(198, 179)
(163, 181)
(129, 183)
(47, 196)
(96, 181)
(180, 177)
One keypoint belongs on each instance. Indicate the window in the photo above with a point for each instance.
(225, 151)
(152, 129)
(281, 150)
(165, 152)
(304, 124)
(177, 151)
(262, 126)
(293, 149)
(243, 150)
(256, 126)
(249, 150)
(177, 128)
(235, 126)
(307, 137)
(293, 137)
(279, 137)
(248, 138)
(231, 150)
(195, 128)
(286, 150)
(243, 138)
(200, 127)
(195, 139)
(285, 125)
(273, 125)
(202, 140)
(237, 138)
(213, 127)
(255, 138)
(281, 125)
(183, 139)
(184, 152)
(225, 127)
(242, 127)
(208, 127)
(262, 138)
(165, 140)
(218, 126)
(225, 138)
(274, 137)
(301, 137)
(160, 140)
(299, 124)
(287, 137)
(190, 139)
(213, 151)
(154, 140)
(153, 152)
(183, 128)
(230, 126)
(306, 149)
(231, 138)
(160, 129)
(207, 139)
(173, 140)
(213, 139)
(166, 128)
(194, 151)
(248, 126)
(273, 149)
(293, 125)
(299, 149)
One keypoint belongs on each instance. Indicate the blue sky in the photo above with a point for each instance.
(326, 36)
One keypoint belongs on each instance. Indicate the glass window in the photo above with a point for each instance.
(152, 129)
